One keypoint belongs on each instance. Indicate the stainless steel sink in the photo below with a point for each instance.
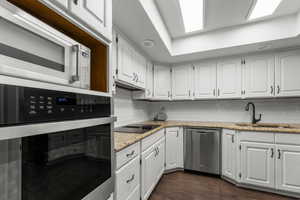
(265, 125)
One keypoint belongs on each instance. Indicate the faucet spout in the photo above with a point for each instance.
(254, 119)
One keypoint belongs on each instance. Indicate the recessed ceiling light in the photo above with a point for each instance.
(148, 43)
(192, 12)
(263, 8)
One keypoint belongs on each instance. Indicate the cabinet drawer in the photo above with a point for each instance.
(172, 129)
(147, 142)
(127, 154)
(251, 136)
(127, 179)
(285, 138)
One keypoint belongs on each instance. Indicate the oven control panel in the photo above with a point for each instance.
(31, 105)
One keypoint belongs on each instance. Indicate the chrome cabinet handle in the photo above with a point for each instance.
(189, 93)
(155, 151)
(272, 89)
(75, 78)
(130, 154)
(131, 179)
(75, 2)
(279, 154)
(177, 134)
(214, 92)
(278, 89)
(232, 138)
(218, 92)
(272, 152)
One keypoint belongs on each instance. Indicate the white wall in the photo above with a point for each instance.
(127, 110)
(273, 110)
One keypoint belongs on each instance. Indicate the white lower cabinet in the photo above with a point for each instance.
(128, 179)
(229, 154)
(257, 164)
(288, 168)
(174, 148)
(152, 167)
(270, 160)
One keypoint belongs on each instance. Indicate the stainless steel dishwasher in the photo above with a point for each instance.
(202, 150)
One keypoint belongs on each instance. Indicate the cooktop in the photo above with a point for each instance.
(136, 128)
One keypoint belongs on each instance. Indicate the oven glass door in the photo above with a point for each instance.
(66, 165)
(31, 49)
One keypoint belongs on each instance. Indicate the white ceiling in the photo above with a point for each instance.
(132, 19)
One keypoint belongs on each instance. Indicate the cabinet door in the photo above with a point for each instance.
(258, 76)
(149, 172)
(287, 165)
(205, 80)
(148, 92)
(229, 79)
(182, 79)
(149, 81)
(287, 74)
(140, 70)
(229, 154)
(258, 164)
(96, 14)
(160, 160)
(172, 138)
(125, 61)
(162, 82)
(127, 179)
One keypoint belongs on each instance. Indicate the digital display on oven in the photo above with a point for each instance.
(65, 101)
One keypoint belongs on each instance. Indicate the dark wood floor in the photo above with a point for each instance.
(187, 186)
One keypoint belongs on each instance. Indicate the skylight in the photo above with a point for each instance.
(192, 13)
(264, 8)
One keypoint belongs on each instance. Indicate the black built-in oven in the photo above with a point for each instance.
(68, 154)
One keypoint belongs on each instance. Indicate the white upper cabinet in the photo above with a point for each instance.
(258, 164)
(162, 82)
(287, 165)
(205, 80)
(132, 66)
(96, 14)
(229, 78)
(258, 76)
(174, 148)
(287, 74)
(125, 71)
(229, 154)
(149, 80)
(140, 70)
(182, 82)
(148, 93)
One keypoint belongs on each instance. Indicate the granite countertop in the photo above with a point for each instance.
(123, 140)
